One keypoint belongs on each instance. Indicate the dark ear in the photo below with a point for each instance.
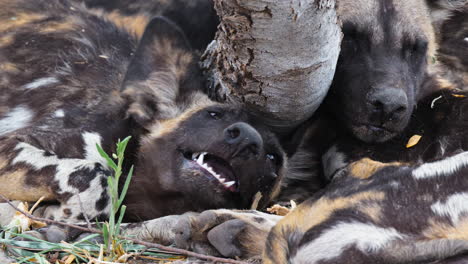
(161, 63)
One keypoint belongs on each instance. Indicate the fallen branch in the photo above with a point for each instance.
(144, 243)
(49, 221)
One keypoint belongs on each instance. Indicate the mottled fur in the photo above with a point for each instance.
(71, 78)
(197, 18)
(452, 24)
(385, 203)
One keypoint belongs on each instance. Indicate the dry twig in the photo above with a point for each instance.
(144, 243)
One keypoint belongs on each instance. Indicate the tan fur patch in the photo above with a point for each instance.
(168, 126)
(177, 60)
(21, 19)
(365, 168)
(306, 216)
(8, 67)
(165, 127)
(444, 83)
(374, 212)
(6, 40)
(58, 27)
(14, 187)
(254, 240)
(439, 230)
(135, 24)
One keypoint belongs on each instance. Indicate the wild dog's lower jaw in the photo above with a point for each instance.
(215, 167)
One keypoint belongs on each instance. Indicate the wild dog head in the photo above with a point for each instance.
(383, 61)
(195, 154)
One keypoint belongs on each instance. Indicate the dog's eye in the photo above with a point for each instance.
(272, 157)
(275, 159)
(215, 115)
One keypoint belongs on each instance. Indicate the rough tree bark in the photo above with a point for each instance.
(277, 57)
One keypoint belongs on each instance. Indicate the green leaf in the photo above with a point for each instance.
(85, 239)
(119, 221)
(105, 234)
(121, 146)
(125, 187)
(33, 245)
(103, 154)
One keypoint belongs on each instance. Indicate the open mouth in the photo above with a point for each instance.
(216, 167)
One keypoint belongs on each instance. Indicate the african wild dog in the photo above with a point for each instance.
(408, 182)
(383, 63)
(368, 213)
(386, 66)
(71, 78)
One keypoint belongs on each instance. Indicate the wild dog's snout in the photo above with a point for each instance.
(243, 138)
(388, 104)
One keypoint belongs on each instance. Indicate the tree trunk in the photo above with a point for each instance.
(278, 57)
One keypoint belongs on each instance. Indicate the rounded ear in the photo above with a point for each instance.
(156, 72)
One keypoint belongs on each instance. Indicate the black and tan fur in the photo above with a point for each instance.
(197, 18)
(376, 189)
(450, 19)
(71, 78)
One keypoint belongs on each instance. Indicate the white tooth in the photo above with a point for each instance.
(200, 158)
(194, 156)
(229, 184)
(222, 180)
(211, 170)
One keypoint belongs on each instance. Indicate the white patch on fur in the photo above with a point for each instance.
(91, 153)
(19, 117)
(455, 206)
(332, 242)
(41, 82)
(333, 161)
(37, 160)
(442, 167)
(59, 113)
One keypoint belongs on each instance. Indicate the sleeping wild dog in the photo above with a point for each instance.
(71, 78)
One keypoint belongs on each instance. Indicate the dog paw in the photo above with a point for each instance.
(227, 233)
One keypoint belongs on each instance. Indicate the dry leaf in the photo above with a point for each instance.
(413, 141)
(278, 210)
(70, 259)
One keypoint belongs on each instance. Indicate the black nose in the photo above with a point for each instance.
(243, 138)
(389, 104)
